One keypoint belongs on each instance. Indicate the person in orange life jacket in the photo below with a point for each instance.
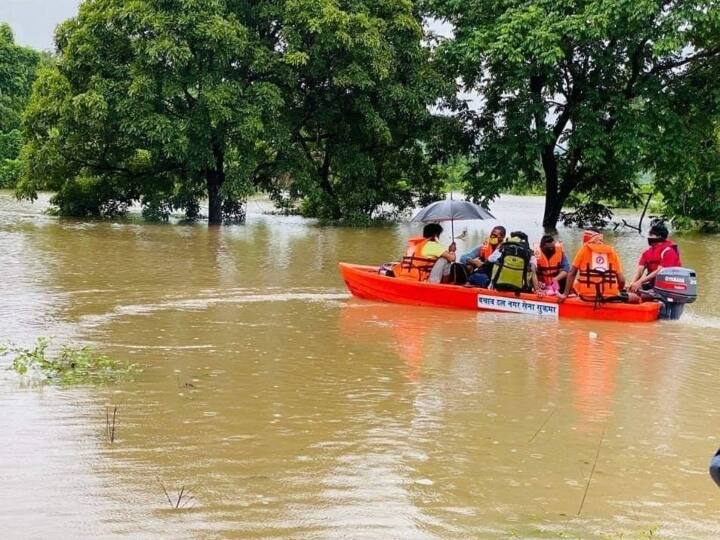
(552, 265)
(476, 260)
(478, 256)
(585, 276)
(432, 249)
(662, 253)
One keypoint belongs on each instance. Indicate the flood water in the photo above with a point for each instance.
(287, 409)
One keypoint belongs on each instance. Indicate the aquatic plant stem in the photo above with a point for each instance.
(547, 419)
(167, 495)
(592, 471)
(110, 426)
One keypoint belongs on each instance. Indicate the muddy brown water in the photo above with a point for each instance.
(287, 409)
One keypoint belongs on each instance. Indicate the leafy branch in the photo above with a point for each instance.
(70, 365)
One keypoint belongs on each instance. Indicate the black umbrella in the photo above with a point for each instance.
(450, 210)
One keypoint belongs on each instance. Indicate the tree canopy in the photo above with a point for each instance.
(152, 101)
(164, 102)
(578, 94)
(17, 73)
(358, 99)
(331, 106)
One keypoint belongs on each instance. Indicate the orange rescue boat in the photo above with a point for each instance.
(366, 282)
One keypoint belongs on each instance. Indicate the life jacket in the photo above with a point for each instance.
(415, 245)
(485, 251)
(656, 255)
(548, 269)
(511, 271)
(413, 264)
(597, 280)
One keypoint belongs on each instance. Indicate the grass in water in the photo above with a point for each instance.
(183, 499)
(70, 365)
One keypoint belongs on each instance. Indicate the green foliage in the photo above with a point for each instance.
(91, 196)
(156, 102)
(10, 144)
(17, 73)
(454, 172)
(577, 95)
(589, 214)
(69, 366)
(689, 177)
(10, 171)
(10, 165)
(322, 103)
(359, 84)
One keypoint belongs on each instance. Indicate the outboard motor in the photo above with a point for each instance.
(675, 287)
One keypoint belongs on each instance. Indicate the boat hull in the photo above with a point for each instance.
(365, 282)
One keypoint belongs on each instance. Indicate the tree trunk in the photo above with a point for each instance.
(555, 200)
(327, 187)
(553, 204)
(215, 179)
(553, 207)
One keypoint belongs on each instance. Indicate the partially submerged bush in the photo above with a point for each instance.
(70, 365)
(590, 214)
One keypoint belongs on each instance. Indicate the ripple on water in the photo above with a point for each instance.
(289, 411)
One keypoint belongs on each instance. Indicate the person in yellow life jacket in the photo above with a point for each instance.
(426, 258)
(552, 265)
(596, 272)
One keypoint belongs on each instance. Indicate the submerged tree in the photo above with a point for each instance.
(18, 66)
(692, 192)
(686, 156)
(157, 101)
(573, 94)
(166, 101)
(358, 96)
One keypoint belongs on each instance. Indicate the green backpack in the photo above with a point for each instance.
(512, 269)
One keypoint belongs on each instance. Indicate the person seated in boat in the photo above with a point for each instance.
(478, 256)
(596, 273)
(552, 265)
(662, 253)
(476, 260)
(430, 252)
(422, 253)
(514, 265)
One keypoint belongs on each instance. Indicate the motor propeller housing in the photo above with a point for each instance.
(675, 287)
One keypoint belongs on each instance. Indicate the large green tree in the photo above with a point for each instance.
(573, 93)
(18, 66)
(157, 101)
(164, 101)
(358, 102)
(686, 153)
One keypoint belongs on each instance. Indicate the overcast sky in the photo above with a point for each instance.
(34, 21)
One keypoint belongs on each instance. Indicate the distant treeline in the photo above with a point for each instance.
(350, 110)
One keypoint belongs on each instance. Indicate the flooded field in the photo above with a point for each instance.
(282, 408)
